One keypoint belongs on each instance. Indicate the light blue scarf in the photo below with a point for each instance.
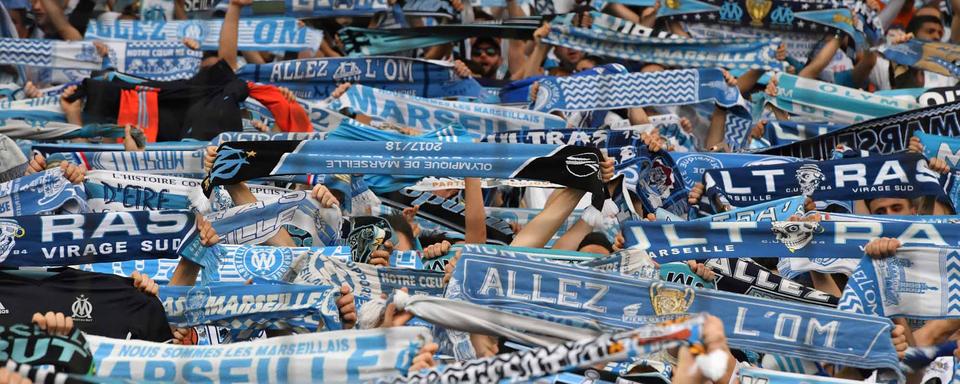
(580, 296)
(632, 90)
(821, 101)
(39, 193)
(917, 282)
(431, 114)
(683, 52)
(44, 53)
(254, 33)
(348, 356)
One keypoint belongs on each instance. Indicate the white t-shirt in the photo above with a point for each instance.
(880, 76)
(839, 63)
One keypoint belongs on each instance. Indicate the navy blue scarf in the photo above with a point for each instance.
(900, 175)
(693, 240)
(317, 78)
(57, 240)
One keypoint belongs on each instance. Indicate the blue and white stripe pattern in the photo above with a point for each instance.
(50, 53)
(254, 33)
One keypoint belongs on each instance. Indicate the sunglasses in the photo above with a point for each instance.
(489, 51)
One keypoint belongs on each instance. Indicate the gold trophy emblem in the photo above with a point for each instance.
(669, 300)
(673, 4)
(758, 9)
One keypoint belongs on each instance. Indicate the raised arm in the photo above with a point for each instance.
(58, 19)
(475, 214)
(228, 32)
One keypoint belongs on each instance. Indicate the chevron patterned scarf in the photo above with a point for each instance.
(44, 53)
(632, 90)
(683, 52)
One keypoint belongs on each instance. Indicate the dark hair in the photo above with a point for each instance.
(596, 238)
(400, 225)
(917, 21)
(434, 237)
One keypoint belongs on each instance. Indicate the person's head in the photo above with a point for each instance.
(929, 11)
(568, 55)
(402, 232)
(596, 242)
(926, 27)
(485, 53)
(588, 63)
(40, 13)
(891, 206)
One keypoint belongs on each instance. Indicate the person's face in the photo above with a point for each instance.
(584, 65)
(593, 248)
(39, 12)
(485, 55)
(930, 31)
(572, 56)
(403, 242)
(891, 206)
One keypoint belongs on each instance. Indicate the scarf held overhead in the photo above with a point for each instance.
(681, 241)
(575, 167)
(54, 240)
(883, 135)
(899, 175)
(682, 52)
(332, 357)
(254, 34)
(319, 77)
(571, 294)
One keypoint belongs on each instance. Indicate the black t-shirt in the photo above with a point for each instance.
(198, 108)
(100, 304)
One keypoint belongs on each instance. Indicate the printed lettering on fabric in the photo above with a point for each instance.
(751, 279)
(29, 344)
(53, 240)
(681, 241)
(692, 166)
(777, 210)
(882, 135)
(917, 282)
(576, 295)
(238, 264)
(258, 33)
(317, 78)
(432, 114)
(901, 175)
(42, 192)
(366, 281)
(249, 308)
(940, 147)
(171, 163)
(330, 357)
